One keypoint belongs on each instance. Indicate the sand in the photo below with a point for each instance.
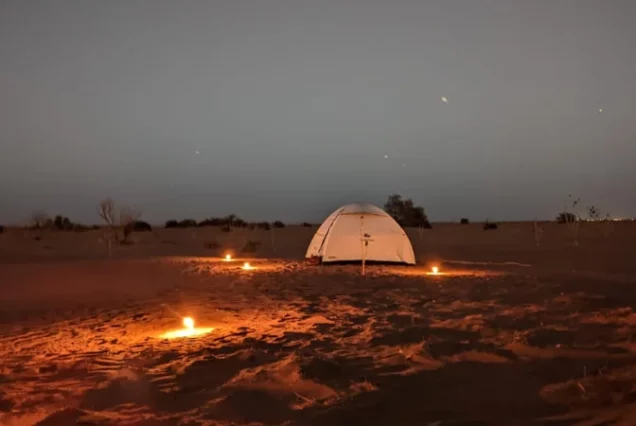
(511, 333)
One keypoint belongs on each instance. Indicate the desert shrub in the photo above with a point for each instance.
(489, 226)
(171, 224)
(139, 226)
(406, 213)
(278, 224)
(62, 223)
(227, 223)
(566, 217)
(464, 221)
(185, 223)
(251, 246)
(239, 223)
(213, 221)
(306, 225)
(1, 229)
(266, 226)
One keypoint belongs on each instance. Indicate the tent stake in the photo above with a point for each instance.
(362, 246)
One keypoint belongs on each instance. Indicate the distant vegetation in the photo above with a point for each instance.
(124, 218)
(185, 223)
(464, 221)
(1, 229)
(406, 213)
(489, 226)
(41, 220)
(226, 223)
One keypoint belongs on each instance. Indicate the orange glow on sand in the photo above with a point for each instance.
(189, 330)
(435, 271)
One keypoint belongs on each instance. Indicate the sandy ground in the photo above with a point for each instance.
(512, 333)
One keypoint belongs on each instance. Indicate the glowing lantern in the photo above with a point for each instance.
(228, 257)
(247, 266)
(188, 331)
(435, 270)
(188, 323)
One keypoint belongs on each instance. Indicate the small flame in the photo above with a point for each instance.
(435, 270)
(247, 266)
(228, 257)
(188, 323)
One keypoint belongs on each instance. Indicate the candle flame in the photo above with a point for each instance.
(188, 323)
(188, 331)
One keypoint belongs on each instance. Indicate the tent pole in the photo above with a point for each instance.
(362, 246)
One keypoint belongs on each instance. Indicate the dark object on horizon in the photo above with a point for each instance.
(171, 224)
(307, 225)
(278, 224)
(464, 221)
(62, 223)
(262, 225)
(229, 222)
(185, 223)
(566, 217)
(137, 226)
(489, 226)
(406, 213)
(1, 229)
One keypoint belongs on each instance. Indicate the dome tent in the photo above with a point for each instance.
(358, 231)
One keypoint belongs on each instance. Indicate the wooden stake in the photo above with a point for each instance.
(362, 251)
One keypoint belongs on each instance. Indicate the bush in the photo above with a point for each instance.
(489, 226)
(278, 224)
(213, 221)
(464, 221)
(137, 226)
(185, 223)
(228, 222)
(1, 229)
(566, 217)
(307, 225)
(406, 213)
(261, 225)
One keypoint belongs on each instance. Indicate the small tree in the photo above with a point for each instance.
(406, 213)
(125, 219)
(571, 219)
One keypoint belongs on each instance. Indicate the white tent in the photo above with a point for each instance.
(361, 231)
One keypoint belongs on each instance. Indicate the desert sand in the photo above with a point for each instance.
(520, 328)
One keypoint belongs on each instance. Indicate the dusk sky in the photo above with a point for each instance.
(286, 109)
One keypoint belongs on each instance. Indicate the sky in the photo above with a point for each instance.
(287, 109)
